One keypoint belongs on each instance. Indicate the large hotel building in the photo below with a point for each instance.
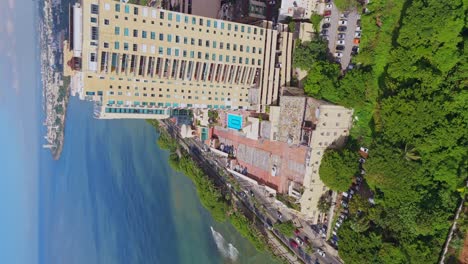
(140, 62)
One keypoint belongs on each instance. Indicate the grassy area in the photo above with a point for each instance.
(344, 5)
(287, 228)
(288, 201)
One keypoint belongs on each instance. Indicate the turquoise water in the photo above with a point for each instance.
(112, 198)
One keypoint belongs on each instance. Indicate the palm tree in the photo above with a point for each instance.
(410, 153)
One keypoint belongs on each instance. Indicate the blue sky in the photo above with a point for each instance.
(19, 112)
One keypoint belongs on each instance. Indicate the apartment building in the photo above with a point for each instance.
(141, 62)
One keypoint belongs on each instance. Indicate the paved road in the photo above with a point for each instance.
(333, 34)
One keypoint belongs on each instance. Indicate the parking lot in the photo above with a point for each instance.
(347, 22)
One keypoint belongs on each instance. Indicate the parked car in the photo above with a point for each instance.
(338, 54)
(321, 252)
(326, 25)
(251, 193)
(324, 32)
(293, 243)
(341, 36)
(355, 50)
(358, 22)
(363, 149)
(338, 60)
(345, 194)
(328, 6)
(280, 215)
(327, 13)
(342, 28)
(299, 241)
(327, 19)
(340, 47)
(357, 41)
(357, 34)
(342, 22)
(340, 42)
(344, 204)
(358, 28)
(361, 160)
(297, 232)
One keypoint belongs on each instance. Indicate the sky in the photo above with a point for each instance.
(19, 135)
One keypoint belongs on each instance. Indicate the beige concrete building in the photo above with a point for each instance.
(141, 62)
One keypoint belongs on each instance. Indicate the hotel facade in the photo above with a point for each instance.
(142, 62)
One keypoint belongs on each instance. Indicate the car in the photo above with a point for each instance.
(342, 22)
(358, 28)
(251, 193)
(346, 211)
(297, 232)
(344, 15)
(334, 233)
(362, 160)
(344, 204)
(338, 60)
(337, 224)
(340, 42)
(324, 32)
(299, 241)
(359, 179)
(327, 13)
(242, 194)
(343, 216)
(326, 25)
(363, 149)
(371, 201)
(340, 47)
(338, 54)
(293, 243)
(351, 191)
(341, 36)
(306, 240)
(357, 34)
(328, 6)
(363, 172)
(280, 215)
(327, 19)
(340, 221)
(321, 252)
(345, 194)
(358, 22)
(342, 28)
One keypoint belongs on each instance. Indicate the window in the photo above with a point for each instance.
(135, 47)
(247, 49)
(125, 46)
(199, 42)
(241, 48)
(168, 52)
(220, 58)
(169, 16)
(255, 31)
(222, 25)
(176, 52)
(184, 53)
(242, 28)
(127, 9)
(201, 22)
(106, 21)
(249, 29)
(153, 35)
(233, 59)
(261, 31)
(177, 18)
(161, 36)
(192, 54)
(126, 32)
(235, 28)
(213, 56)
(143, 34)
(228, 46)
(214, 44)
(161, 50)
(135, 33)
(94, 33)
(177, 39)
(199, 55)
(117, 30)
(254, 50)
(208, 23)
(207, 43)
(235, 47)
(221, 45)
(93, 57)
(117, 7)
(229, 26)
(106, 45)
(169, 38)
(194, 21)
(161, 15)
(116, 45)
(185, 40)
(135, 11)
(94, 9)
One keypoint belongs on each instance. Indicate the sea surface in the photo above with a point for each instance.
(112, 198)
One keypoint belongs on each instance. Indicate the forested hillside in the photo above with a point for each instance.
(411, 102)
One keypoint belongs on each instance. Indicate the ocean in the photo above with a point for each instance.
(113, 198)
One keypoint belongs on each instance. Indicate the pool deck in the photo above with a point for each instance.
(259, 156)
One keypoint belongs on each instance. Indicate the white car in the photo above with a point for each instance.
(343, 23)
(358, 28)
(363, 149)
(328, 6)
(338, 54)
(340, 42)
(327, 20)
(357, 34)
(321, 252)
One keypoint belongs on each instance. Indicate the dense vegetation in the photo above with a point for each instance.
(411, 109)
(338, 169)
(286, 228)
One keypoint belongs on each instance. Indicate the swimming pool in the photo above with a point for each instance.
(234, 121)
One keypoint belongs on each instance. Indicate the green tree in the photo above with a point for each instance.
(306, 53)
(338, 168)
(287, 228)
(324, 203)
(322, 81)
(315, 19)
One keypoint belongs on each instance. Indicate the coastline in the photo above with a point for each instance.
(222, 201)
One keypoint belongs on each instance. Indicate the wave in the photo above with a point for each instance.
(226, 249)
